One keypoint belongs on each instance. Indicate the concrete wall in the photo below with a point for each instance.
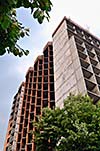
(67, 69)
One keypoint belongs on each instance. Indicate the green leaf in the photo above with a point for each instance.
(6, 22)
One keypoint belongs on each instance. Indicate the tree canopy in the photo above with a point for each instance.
(75, 127)
(11, 30)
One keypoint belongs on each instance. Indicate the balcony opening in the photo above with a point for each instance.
(45, 86)
(40, 73)
(40, 66)
(39, 85)
(29, 137)
(45, 72)
(31, 116)
(52, 96)
(51, 71)
(38, 93)
(46, 53)
(39, 79)
(32, 108)
(51, 53)
(34, 86)
(38, 101)
(51, 78)
(46, 66)
(38, 110)
(29, 147)
(45, 59)
(33, 100)
(45, 94)
(45, 103)
(31, 126)
(46, 79)
(51, 64)
(33, 92)
(35, 73)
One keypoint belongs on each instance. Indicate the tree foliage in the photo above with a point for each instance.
(11, 30)
(75, 127)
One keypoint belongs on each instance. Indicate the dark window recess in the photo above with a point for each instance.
(51, 64)
(51, 52)
(19, 137)
(38, 101)
(38, 93)
(30, 79)
(46, 53)
(46, 79)
(45, 59)
(22, 111)
(33, 93)
(25, 90)
(51, 78)
(29, 91)
(45, 103)
(40, 73)
(23, 143)
(89, 47)
(51, 58)
(51, 71)
(40, 67)
(27, 114)
(21, 119)
(45, 86)
(30, 85)
(28, 99)
(35, 73)
(18, 146)
(23, 103)
(29, 138)
(40, 61)
(52, 96)
(45, 72)
(52, 105)
(39, 86)
(46, 66)
(20, 128)
(33, 100)
(27, 106)
(31, 126)
(35, 66)
(31, 117)
(45, 94)
(39, 79)
(34, 86)
(38, 110)
(29, 147)
(24, 132)
(34, 79)
(26, 122)
(32, 108)
(27, 78)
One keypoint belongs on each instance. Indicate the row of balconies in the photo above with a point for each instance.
(82, 33)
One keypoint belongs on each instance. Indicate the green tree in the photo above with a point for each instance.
(75, 127)
(11, 30)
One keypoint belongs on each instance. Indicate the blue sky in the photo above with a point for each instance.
(13, 69)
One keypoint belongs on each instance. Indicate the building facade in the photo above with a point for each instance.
(38, 93)
(76, 62)
(70, 65)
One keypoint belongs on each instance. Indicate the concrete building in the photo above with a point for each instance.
(76, 62)
(14, 121)
(76, 69)
(38, 93)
